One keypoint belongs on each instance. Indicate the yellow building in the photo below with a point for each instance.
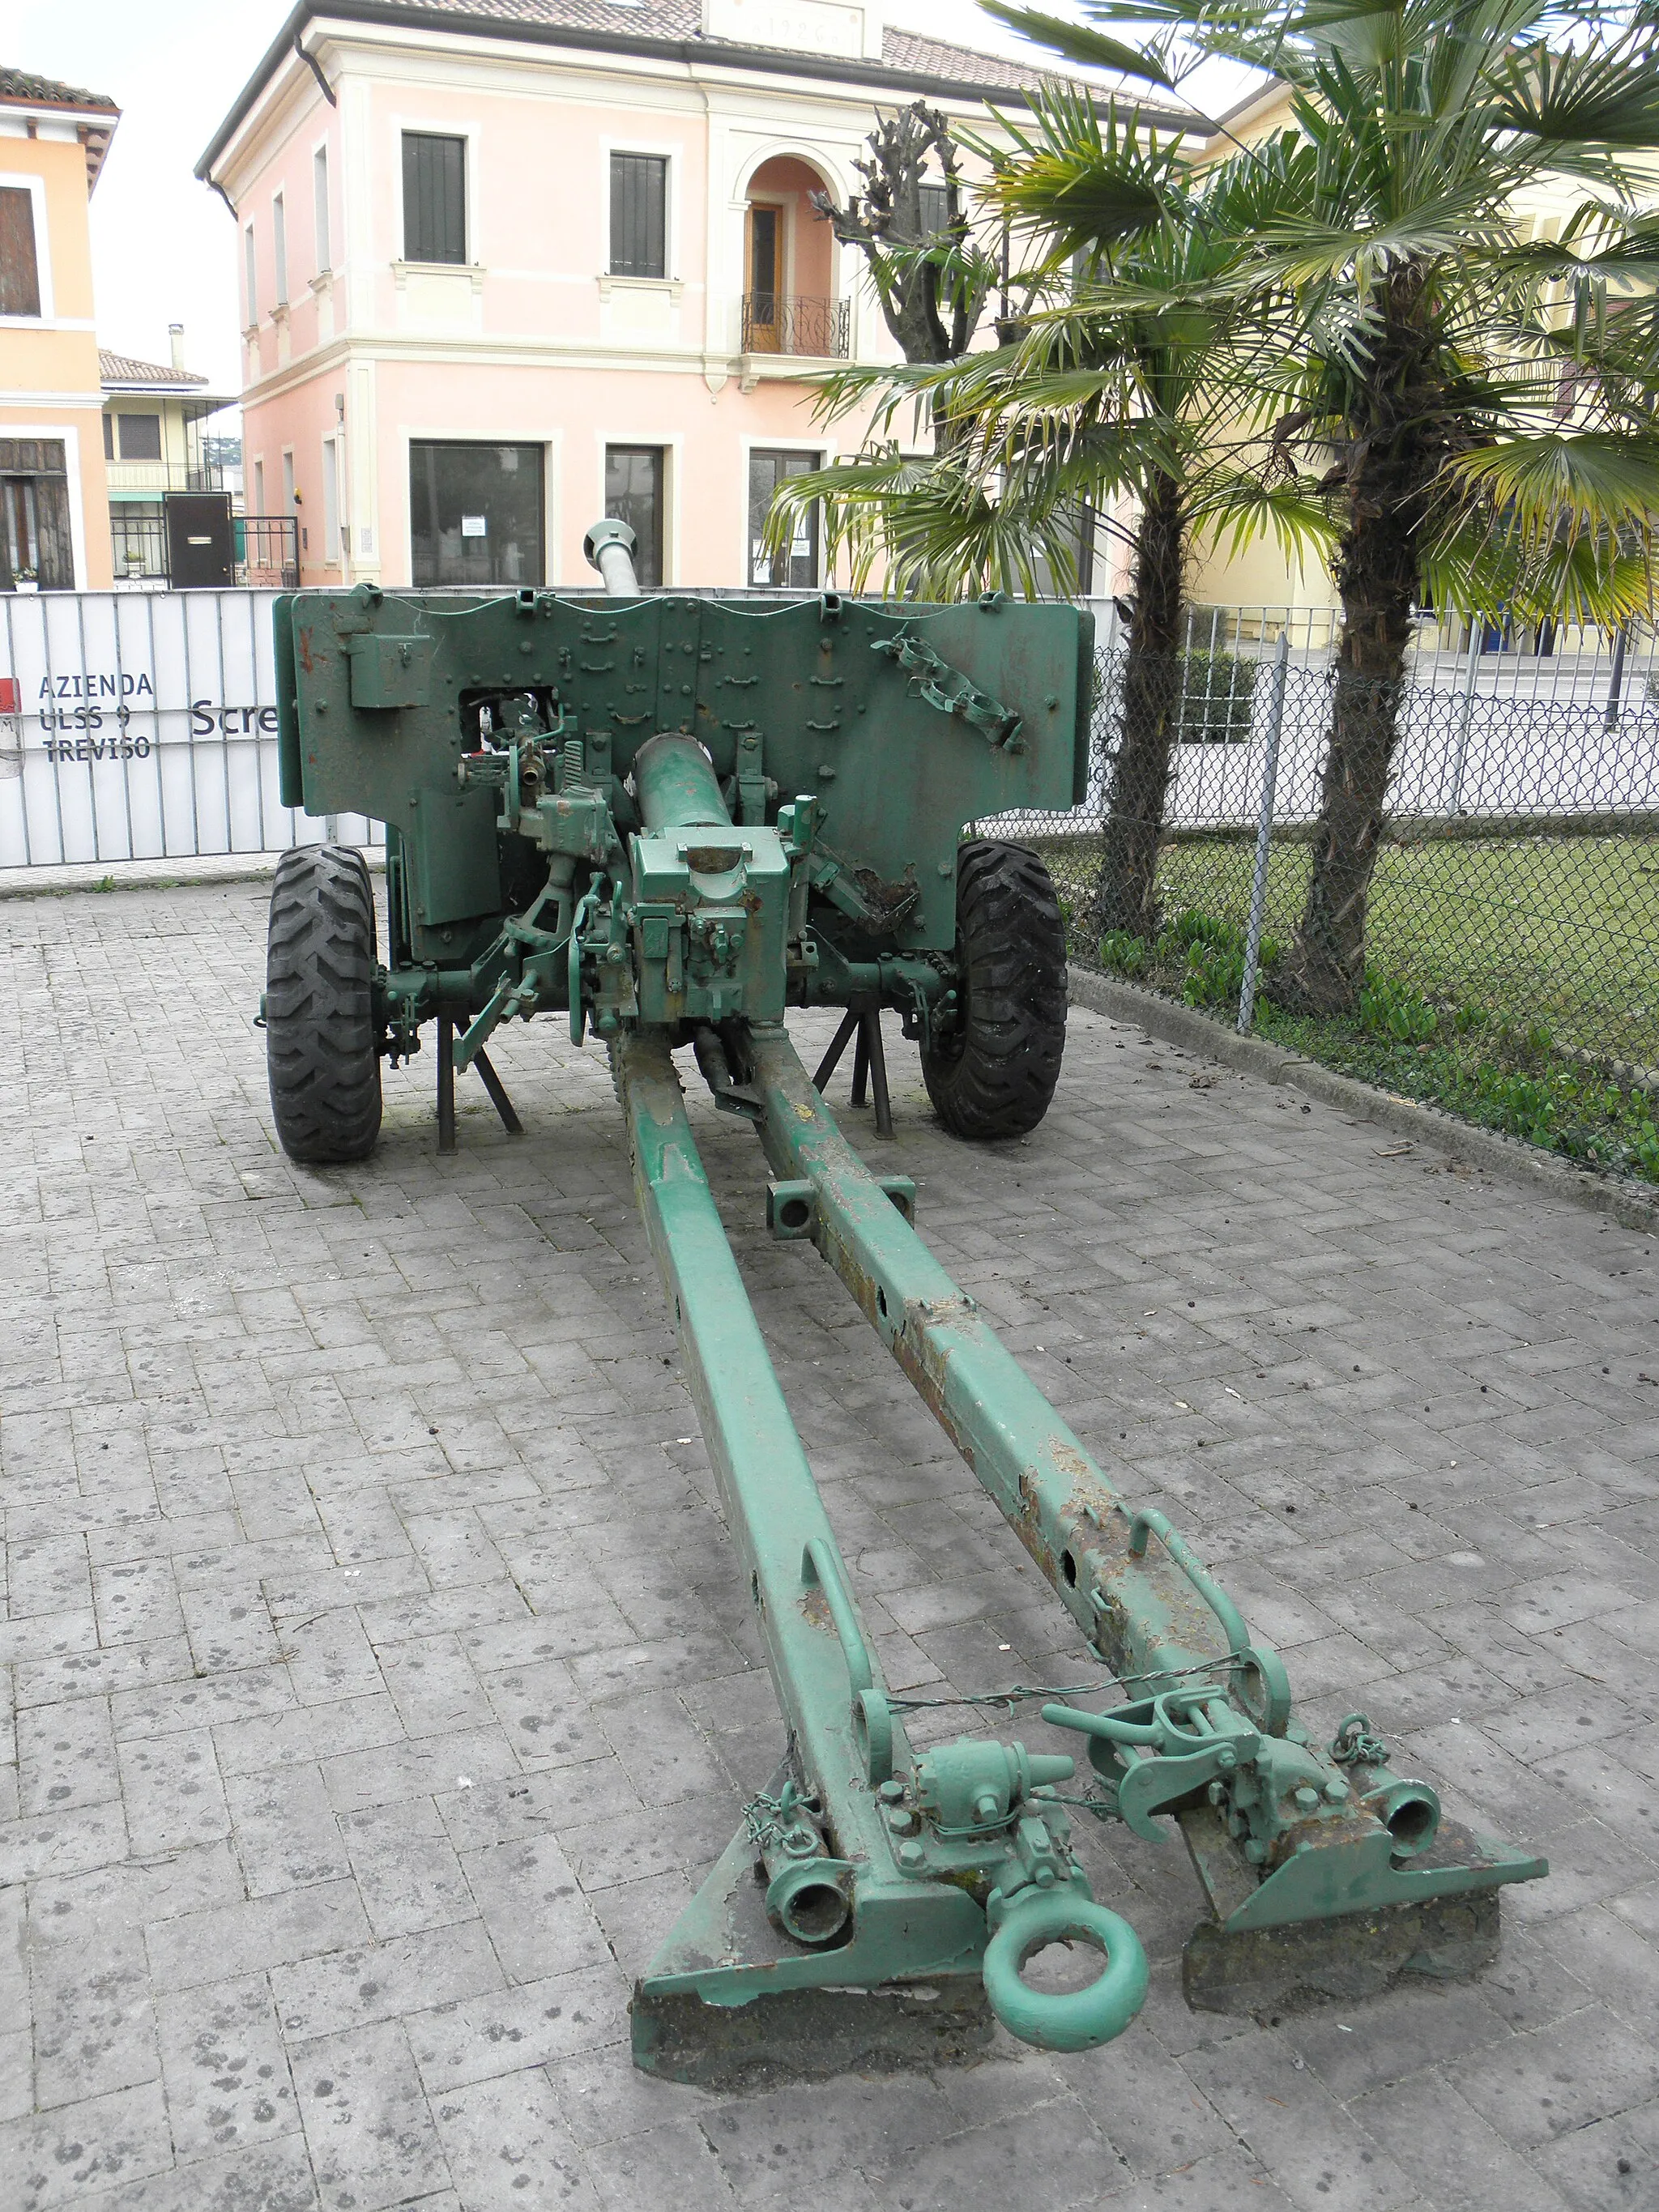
(156, 443)
(54, 509)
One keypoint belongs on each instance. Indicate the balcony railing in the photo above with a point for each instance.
(267, 550)
(776, 322)
(154, 477)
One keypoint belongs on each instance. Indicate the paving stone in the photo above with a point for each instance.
(265, 2177)
(433, 1734)
(71, 2154)
(1312, 2149)
(508, 2146)
(1612, 2166)
(474, 2038)
(264, 1932)
(370, 2130)
(1458, 2160)
(534, 1908)
(382, 1981)
(1587, 2067)
(226, 2067)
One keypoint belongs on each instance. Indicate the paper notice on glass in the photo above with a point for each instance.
(474, 525)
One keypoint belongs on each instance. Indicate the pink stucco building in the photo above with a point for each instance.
(508, 264)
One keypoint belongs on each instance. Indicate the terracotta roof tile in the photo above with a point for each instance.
(122, 369)
(17, 84)
(910, 52)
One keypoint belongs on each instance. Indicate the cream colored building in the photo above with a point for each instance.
(506, 270)
(54, 518)
(156, 441)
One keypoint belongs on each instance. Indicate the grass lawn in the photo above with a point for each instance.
(1563, 931)
(1514, 981)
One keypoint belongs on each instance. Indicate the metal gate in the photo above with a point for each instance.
(142, 726)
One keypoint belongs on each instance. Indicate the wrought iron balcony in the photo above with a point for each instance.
(777, 322)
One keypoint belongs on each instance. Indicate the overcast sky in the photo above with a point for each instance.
(162, 243)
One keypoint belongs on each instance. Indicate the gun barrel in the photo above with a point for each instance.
(609, 546)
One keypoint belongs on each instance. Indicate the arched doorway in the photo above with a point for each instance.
(789, 303)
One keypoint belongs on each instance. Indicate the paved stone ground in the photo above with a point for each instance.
(378, 1682)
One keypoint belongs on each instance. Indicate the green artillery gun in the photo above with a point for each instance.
(671, 819)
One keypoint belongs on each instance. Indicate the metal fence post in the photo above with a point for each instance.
(1616, 678)
(1264, 832)
(1460, 758)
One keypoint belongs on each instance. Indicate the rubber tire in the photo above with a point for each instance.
(999, 1072)
(322, 1050)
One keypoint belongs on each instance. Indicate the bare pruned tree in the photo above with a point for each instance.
(931, 278)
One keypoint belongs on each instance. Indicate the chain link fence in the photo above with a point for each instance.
(1510, 957)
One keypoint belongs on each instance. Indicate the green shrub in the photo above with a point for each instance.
(1123, 952)
(1392, 1009)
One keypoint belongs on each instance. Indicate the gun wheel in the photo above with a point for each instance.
(321, 1049)
(995, 1074)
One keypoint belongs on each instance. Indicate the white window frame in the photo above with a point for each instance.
(828, 456)
(673, 152)
(331, 501)
(322, 212)
(36, 188)
(278, 251)
(551, 443)
(445, 128)
(673, 447)
(249, 277)
(258, 484)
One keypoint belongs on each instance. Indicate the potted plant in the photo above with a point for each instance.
(27, 580)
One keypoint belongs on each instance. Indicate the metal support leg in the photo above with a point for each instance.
(838, 1045)
(876, 1056)
(497, 1090)
(861, 1061)
(446, 1086)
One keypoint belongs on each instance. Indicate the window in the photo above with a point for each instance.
(35, 544)
(434, 198)
(330, 499)
(798, 564)
(475, 512)
(140, 437)
(109, 437)
(319, 207)
(290, 497)
(639, 214)
(759, 320)
(251, 277)
(258, 487)
(935, 208)
(633, 492)
(279, 249)
(20, 269)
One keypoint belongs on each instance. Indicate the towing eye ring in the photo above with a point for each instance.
(1068, 2020)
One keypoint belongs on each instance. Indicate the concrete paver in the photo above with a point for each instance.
(376, 1680)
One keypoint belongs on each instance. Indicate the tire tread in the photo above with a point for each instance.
(321, 1052)
(1011, 949)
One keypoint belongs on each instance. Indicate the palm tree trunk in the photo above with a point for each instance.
(1378, 577)
(1127, 896)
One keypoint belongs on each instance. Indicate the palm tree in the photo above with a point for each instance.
(1121, 384)
(1484, 404)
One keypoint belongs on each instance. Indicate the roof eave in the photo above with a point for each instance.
(768, 60)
